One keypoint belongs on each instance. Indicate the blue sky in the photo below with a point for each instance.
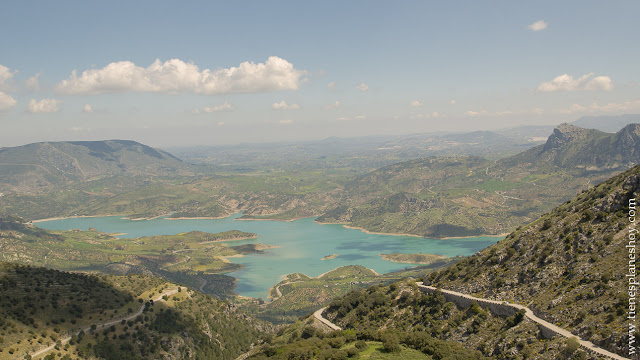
(311, 70)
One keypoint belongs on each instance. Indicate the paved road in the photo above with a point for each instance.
(106, 324)
(318, 315)
(528, 313)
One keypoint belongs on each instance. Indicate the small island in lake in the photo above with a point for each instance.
(329, 257)
(412, 258)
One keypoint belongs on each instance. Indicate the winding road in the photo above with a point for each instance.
(481, 301)
(529, 314)
(106, 324)
(318, 315)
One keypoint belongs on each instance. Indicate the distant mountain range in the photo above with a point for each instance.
(610, 124)
(463, 196)
(39, 166)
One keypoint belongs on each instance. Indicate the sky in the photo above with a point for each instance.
(167, 73)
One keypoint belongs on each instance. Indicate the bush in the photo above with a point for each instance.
(390, 343)
(571, 346)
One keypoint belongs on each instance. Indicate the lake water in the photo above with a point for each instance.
(302, 244)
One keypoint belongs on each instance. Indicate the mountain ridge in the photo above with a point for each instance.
(41, 166)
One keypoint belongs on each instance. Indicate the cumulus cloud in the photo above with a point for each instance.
(43, 106)
(33, 83)
(452, 102)
(566, 82)
(362, 87)
(87, 108)
(6, 77)
(360, 117)
(176, 76)
(538, 25)
(331, 85)
(220, 123)
(335, 105)
(282, 105)
(416, 103)
(6, 101)
(286, 121)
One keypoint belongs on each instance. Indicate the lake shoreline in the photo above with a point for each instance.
(345, 225)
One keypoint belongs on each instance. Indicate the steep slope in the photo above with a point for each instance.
(39, 307)
(461, 196)
(40, 166)
(572, 147)
(569, 266)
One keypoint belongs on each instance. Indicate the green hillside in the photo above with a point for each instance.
(41, 308)
(196, 259)
(41, 166)
(569, 266)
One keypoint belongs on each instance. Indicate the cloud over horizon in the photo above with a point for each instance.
(43, 106)
(6, 101)
(282, 105)
(177, 76)
(566, 82)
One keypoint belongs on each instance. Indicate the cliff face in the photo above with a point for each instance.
(563, 135)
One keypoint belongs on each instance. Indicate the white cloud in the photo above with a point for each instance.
(416, 103)
(43, 106)
(176, 76)
(331, 85)
(220, 123)
(360, 117)
(33, 83)
(209, 109)
(282, 105)
(476, 113)
(435, 114)
(335, 105)
(362, 87)
(566, 82)
(286, 121)
(342, 118)
(6, 77)
(6, 101)
(452, 102)
(538, 25)
(87, 108)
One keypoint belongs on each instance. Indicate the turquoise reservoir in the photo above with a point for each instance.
(302, 245)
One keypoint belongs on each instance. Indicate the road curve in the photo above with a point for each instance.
(106, 324)
(529, 314)
(318, 315)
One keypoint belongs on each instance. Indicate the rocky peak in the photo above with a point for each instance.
(564, 134)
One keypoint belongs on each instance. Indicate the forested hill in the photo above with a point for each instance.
(39, 166)
(41, 307)
(569, 266)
